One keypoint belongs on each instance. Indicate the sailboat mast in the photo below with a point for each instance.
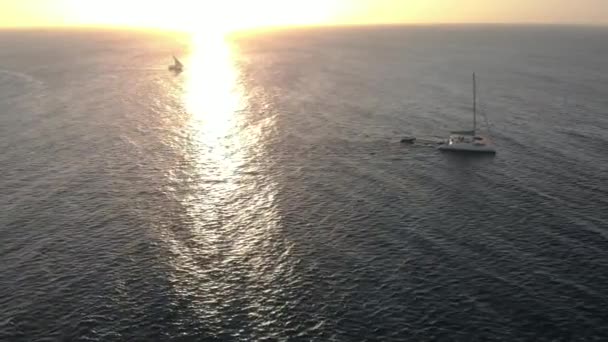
(474, 104)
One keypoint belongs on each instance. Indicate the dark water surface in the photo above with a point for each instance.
(263, 193)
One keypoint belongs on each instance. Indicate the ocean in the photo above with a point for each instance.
(264, 195)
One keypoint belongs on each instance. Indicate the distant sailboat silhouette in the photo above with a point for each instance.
(177, 66)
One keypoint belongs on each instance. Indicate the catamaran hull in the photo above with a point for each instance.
(465, 148)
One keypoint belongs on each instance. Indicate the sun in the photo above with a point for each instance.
(200, 16)
(235, 15)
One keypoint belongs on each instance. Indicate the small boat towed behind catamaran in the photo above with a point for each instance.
(469, 141)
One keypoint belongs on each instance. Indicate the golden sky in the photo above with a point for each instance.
(227, 15)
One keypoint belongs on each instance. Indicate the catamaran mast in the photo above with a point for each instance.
(474, 105)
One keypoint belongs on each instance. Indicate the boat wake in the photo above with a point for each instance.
(10, 75)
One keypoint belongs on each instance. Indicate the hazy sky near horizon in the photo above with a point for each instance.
(236, 14)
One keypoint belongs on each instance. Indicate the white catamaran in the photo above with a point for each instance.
(469, 141)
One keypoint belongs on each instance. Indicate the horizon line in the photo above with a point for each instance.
(299, 26)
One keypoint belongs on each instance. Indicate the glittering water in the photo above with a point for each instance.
(263, 194)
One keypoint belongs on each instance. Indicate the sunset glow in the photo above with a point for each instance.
(229, 15)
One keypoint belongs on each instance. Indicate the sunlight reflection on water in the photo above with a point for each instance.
(231, 224)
